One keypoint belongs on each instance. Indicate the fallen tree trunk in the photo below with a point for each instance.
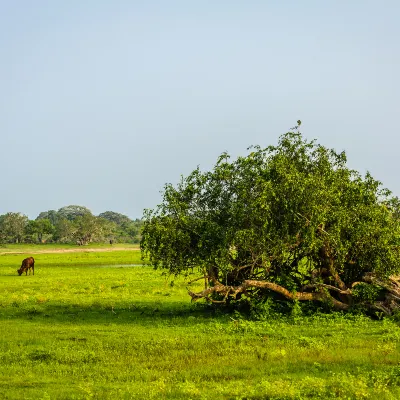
(321, 295)
(219, 293)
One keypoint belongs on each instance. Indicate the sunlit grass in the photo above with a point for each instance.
(23, 247)
(109, 332)
(43, 260)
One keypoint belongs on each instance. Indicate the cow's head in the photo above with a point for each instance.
(19, 271)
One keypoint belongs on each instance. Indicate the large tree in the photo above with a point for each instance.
(89, 228)
(72, 212)
(290, 221)
(51, 215)
(12, 227)
(127, 230)
(40, 228)
(115, 217)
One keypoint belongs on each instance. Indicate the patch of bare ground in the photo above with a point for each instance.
(74, 250)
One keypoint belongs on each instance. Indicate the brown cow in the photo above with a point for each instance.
(27, 265)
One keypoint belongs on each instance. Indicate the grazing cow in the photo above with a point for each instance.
(27, 265)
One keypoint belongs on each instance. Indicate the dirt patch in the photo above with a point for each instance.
(77, 250)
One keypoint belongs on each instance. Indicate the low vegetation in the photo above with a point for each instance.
(82, 328)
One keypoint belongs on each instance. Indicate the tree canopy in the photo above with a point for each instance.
(72, 212)
(115, 217)
(291, 221)
(12, 226)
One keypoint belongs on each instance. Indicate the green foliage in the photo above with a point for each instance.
(63, 231)
(366, 292)
(293, 214)
(70, 224)
(51, 215)
(126, 230)
(88, 228)
(72, 212)
(40, 228)
(115, 217)
(12, 227)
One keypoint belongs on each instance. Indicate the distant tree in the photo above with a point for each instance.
(64, 231)
(134, 230)
(127, 230)
(108, 229)
(39, 228)
(115, 217)
(89, 228)
(289, 222)
(12, 227)
(72, 212)
(51, 215)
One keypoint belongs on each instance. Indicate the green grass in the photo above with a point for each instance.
(75, 331)
(81, 258)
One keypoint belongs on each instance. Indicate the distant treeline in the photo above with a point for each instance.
(70, 224)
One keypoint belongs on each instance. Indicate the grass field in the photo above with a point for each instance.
(86, 327)
(35, 248)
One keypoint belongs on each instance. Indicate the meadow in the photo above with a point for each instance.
(97, 325)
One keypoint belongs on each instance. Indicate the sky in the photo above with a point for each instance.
(104, 102)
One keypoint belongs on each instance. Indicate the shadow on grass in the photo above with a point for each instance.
(143, 313)
(10, 271)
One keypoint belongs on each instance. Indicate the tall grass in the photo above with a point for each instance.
(76, 330)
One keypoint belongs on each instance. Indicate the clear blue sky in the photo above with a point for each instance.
(103, 102)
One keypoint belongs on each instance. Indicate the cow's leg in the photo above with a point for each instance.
(33, 269)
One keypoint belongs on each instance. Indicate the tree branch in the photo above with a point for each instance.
(233, 291)
(197, 279)
(330, 287)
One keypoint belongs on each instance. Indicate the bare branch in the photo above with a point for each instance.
(233, 291)
(330, 287)
(197, 279)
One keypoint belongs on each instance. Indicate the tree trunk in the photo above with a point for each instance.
(339, 299)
